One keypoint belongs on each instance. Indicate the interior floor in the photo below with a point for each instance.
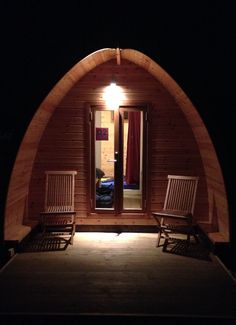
(132, 199)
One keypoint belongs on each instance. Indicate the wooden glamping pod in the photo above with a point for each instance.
(75, 129)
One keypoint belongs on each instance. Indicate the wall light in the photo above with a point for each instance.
(113, 96)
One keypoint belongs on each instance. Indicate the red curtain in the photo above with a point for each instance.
(133, 149)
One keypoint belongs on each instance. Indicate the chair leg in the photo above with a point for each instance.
(71, 239)
(72, 234)
(188, 239)
(195, 235)
(196, 238)
(159, 237)
(192, 233)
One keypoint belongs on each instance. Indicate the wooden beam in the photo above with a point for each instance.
(118, 58)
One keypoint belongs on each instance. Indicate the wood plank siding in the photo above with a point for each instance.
(173, 148)
(57, 139)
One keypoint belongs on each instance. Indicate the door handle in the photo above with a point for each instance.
(116, 157)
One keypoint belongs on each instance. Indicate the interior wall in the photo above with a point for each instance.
(107, 147)
(68, 98)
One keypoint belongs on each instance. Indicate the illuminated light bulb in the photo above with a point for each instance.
(113, 96)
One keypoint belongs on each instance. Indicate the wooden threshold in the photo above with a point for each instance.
(101, 220)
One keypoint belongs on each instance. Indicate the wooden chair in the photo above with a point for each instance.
(177, 213)
(58, 217)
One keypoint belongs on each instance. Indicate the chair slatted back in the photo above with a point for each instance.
(181, 193)
(59, 194)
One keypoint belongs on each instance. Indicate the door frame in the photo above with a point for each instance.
(118, 210)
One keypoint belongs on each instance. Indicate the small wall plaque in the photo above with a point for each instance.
(101, 134)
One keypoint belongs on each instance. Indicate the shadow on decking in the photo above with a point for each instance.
(41, 243)
(195, 250)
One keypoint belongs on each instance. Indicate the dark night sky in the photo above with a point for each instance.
(192, 40)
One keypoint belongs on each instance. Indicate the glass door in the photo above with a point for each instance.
(117, 160)
(132, 154)
(104, 159)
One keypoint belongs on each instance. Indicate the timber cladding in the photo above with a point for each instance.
(172, 148)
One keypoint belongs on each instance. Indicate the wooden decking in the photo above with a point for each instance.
(116, 276)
